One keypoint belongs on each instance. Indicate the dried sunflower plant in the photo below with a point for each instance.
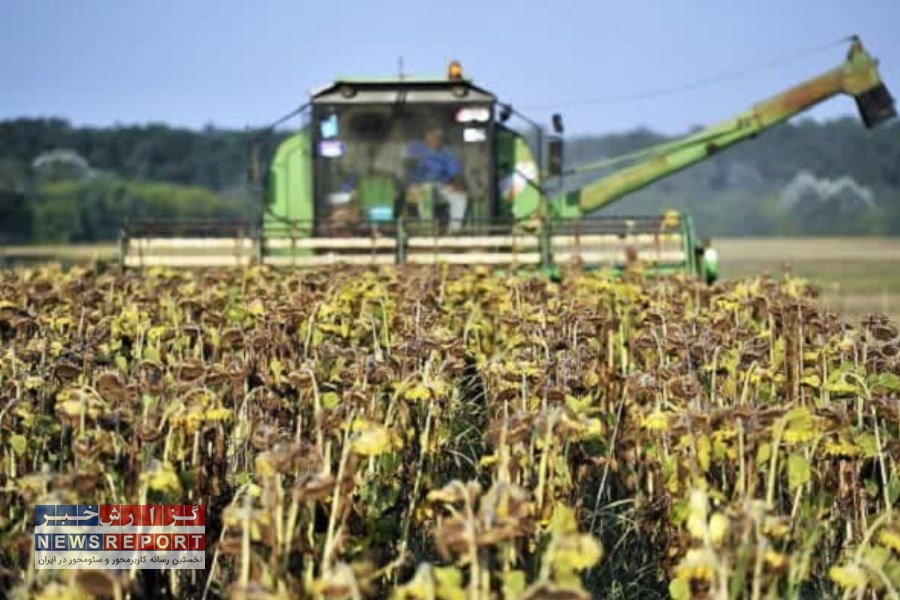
(434, 433)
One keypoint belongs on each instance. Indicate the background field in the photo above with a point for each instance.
(857, 275)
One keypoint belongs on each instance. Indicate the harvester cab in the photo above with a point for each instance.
(427, 171)
(419, 151)
(401, 170)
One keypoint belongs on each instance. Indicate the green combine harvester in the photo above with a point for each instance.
(426, 171)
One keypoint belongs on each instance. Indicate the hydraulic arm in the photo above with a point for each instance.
(857, 77)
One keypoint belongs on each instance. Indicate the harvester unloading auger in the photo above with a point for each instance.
(425, 171)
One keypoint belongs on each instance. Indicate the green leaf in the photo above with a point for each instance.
(799, 472)
(812, 381)
(420, 587)
(561, 470)
(778, 352)
(449, 583)
(371, 439)
(680, 511)
(763, 454)
(839, 384)
(875, 557)
(886, 381)
(151, 354)
(513, 584)
(579, 405)
(867, 443)
(894, 490)
(161, 477)
(719, 449)
(563, 520)
(680, 589)
(871, 488)
(234, 315)
(850, 576)
(18, 443)
(704, 450)
(330, 399)
(242, 478)
(576, 552)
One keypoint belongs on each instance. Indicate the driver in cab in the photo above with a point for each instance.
(435, 178)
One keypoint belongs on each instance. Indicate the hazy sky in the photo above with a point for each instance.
(234, 63)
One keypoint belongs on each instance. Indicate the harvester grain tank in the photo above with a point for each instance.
(426, 170)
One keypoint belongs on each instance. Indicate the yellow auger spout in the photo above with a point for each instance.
(857, 77)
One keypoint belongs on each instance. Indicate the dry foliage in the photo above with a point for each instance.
(434, 433)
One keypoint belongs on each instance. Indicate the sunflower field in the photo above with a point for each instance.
(442, 434)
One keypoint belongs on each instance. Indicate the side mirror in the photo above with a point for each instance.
(557, 123)
(555, 157)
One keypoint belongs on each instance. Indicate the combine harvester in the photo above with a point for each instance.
(425, 171)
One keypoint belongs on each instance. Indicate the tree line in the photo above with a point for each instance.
(62, 183)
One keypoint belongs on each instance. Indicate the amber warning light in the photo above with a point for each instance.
(454, 71)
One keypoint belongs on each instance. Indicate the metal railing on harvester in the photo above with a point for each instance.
(608, 241)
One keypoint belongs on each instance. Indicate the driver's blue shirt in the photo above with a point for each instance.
(432, 166)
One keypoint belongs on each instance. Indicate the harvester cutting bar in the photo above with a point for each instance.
(477, 244)
(611, 242)
(618, 225)
(615, 241)
(487, 244)
(619, 250)
(374, 243)
(484, 258)
(302, 244)
(469, 242)
(323, 260)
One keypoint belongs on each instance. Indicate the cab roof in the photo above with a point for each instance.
(421, 89)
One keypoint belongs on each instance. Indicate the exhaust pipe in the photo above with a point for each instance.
(876, 105)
